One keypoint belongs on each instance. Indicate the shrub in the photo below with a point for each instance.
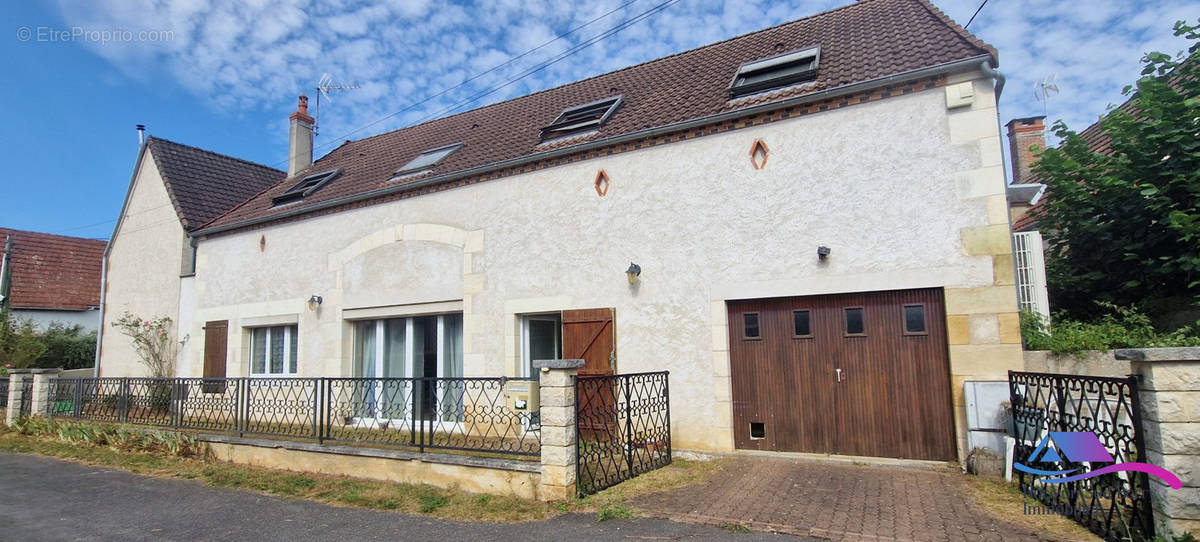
(121, 437)
(1119, 327)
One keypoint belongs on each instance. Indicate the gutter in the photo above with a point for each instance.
(977, 62)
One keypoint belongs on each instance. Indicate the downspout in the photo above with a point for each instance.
(988, 70)
(103, 303)
(4, 271)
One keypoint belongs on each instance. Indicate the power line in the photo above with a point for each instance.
(977, 10)
(468, 80)
(583, 45)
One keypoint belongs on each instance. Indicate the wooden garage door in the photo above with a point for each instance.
(853, 374)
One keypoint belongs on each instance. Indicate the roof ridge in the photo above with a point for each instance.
(853, 3)
(961, 30)
(214, 153)
(58, 235)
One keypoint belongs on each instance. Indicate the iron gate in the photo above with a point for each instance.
(1115, 506)
(622, 427)
(4, 391)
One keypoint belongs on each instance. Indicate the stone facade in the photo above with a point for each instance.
(1170, 398)
(908, 193)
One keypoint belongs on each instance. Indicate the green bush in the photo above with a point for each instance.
(1119, 327)
(22, 345)
(121, 437)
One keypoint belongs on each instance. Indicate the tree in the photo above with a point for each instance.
(1122, 226)
(153, 340)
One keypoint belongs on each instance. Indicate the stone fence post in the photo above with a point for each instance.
(1170, 398)
(557, 397)
(16, 394)
(42, 402)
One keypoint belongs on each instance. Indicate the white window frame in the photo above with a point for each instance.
(409, 353)
(288, 329)
(526, 368)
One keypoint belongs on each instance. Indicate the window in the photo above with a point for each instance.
(411, 347)
(306, 187)
(775, 72)
(914, 320)
(750, 326)
(855, 324)
(583, 117)
(541, 338)
(273, 351)
(801, 324)
(426, 160)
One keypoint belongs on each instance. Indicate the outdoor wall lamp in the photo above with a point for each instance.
(822, 252)
(633, 272)
(314, 302)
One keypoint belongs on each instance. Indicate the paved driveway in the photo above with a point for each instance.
(45, 499)
(836, 501)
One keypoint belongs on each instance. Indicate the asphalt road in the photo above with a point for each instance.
(48, 499)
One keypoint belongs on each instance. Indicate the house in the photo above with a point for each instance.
(50, 279)
(806, 225)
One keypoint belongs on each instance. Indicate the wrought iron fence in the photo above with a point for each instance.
(466, 414)
(26, 406)
(1115, 506)
(623, 428)
(4, 392)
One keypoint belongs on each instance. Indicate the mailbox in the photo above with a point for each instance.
(522, 395)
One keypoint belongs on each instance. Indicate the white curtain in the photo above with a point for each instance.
(452, 367)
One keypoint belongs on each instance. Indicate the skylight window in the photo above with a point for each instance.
(582, 117)
(775, 72)
(306, 187)
(426, 160)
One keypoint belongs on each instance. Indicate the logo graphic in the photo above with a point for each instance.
(1081, 446)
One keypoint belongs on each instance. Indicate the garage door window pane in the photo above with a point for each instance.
(914, 319)
(854, 321)
(801, 324)
(750, 320)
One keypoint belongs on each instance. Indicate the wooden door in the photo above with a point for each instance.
(588, 334)
(870, 377)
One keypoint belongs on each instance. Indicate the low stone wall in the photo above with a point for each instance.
(473, 474)
(1088, 362)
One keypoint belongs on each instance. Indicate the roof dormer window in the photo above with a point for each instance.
(306, 187)
(776, 72)
(426, 160)
(582, 117)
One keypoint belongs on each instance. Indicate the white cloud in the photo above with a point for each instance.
(257, 56)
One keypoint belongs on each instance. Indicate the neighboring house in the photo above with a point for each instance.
(1027, 137)
(175, 188)
(817, 212)
(51, 278)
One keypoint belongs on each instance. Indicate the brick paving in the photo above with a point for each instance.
(836, 502)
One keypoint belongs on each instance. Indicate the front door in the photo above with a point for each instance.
(852, 374)
(588, 334)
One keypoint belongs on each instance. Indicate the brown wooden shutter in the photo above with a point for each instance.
(588, 334)
(216, 335)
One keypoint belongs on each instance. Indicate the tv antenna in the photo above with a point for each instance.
(1044, 89)
(324, 85)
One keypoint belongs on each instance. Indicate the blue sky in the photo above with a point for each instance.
(224, 75)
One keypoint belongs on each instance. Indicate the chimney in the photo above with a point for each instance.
(1024, 134)
(141, 129)
(300, 141)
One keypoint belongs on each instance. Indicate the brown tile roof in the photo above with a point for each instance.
(204, 184)
(53, 271)
(860, 42)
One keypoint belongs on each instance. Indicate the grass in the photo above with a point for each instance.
(679, 473)
(335, 490)
(737, 528)
(1005, 502)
